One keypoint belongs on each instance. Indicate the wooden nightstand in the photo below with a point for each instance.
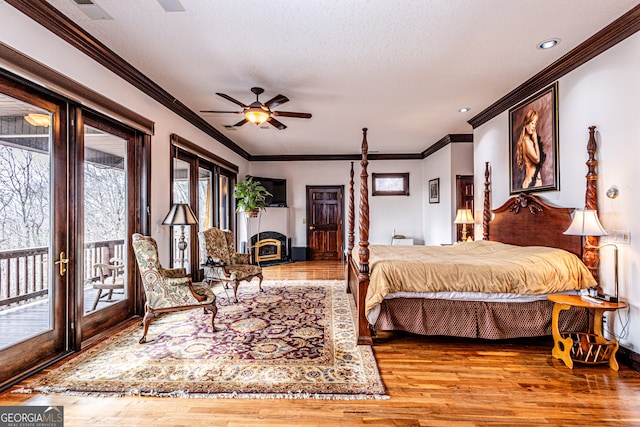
(591, 347)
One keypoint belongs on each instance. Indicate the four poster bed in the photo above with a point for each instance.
(467, 289)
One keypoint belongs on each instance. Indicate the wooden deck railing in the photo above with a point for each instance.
(24, 273)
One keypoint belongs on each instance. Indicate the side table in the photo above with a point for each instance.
(591, 347)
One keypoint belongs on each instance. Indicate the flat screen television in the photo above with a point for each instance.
(277, 187)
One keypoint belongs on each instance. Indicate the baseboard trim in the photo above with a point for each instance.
(629, 358)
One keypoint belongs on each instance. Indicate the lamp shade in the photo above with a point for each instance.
(585, 223)
(464, 216)
(180, 214)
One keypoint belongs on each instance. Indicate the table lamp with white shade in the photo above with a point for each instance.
(464, 217)
(586, 223)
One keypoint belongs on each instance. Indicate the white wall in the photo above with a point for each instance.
(603, 92)
(402, 213)
(445, 164)
(28, 37)
(437, 217)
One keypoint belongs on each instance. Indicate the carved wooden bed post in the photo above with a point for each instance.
(486, 212)
(364, 334)
(591, 254)
(352, 216)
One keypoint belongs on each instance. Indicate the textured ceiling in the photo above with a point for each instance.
(401, 68)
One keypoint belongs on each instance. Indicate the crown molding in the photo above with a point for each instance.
(623, 27)
(331, 157)
(451, 138)
(444, 141)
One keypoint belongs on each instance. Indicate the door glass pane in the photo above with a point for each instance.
(205, 199)
(206, 206)
(224, 203)
(181, 258)
(25, 212)
(105, 219)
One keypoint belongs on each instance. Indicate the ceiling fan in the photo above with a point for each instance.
(258, 113)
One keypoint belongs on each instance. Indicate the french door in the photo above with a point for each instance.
(106, 194)
(71, 192)
(34, 230)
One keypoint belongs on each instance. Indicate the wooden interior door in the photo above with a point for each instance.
(324, 221)
(464, 200)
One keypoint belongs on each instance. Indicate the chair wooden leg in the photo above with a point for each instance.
(214, 311)
(148, 317)
(235, 289)
(95, 303)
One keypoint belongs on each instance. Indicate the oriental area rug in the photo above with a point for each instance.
(296, 340)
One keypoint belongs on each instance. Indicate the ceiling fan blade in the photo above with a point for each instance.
(241, 122)
(276, 100)
(228, 98)
(276, 123)
(212, 111)
(291, 114)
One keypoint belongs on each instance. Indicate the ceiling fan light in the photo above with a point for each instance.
(36, 119)
(256, 115)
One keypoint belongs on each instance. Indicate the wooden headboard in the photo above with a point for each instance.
(528, 220)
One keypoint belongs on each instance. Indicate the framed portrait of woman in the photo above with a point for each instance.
(533, 143)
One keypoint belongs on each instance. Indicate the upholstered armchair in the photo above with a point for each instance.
(167, 289)
(222, 263)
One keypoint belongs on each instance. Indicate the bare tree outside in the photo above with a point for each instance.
(105, 203)
(24, 198)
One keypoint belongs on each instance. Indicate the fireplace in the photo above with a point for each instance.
(269, 247)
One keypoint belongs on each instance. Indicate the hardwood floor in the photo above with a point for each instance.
(431, 381)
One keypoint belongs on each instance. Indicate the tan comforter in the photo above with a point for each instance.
(480, 266)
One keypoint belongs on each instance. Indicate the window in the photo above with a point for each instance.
(205, 182)
(390, 184)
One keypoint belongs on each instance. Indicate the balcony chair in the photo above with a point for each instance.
(168, 289)
(109, 280)
(223, 264)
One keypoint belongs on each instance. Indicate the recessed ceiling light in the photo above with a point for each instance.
(548, 44)
(464, 109)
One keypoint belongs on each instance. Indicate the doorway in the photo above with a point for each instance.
(324, 222)
(464, 200)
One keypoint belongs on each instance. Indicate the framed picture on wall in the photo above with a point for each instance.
(533, 143)
(434, 190)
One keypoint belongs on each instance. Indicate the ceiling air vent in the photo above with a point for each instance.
(171, 5)
(92, 10)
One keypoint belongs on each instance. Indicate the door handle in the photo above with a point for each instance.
(62, 262)
(312, 228)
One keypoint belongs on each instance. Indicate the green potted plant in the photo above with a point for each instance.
(250, 196)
